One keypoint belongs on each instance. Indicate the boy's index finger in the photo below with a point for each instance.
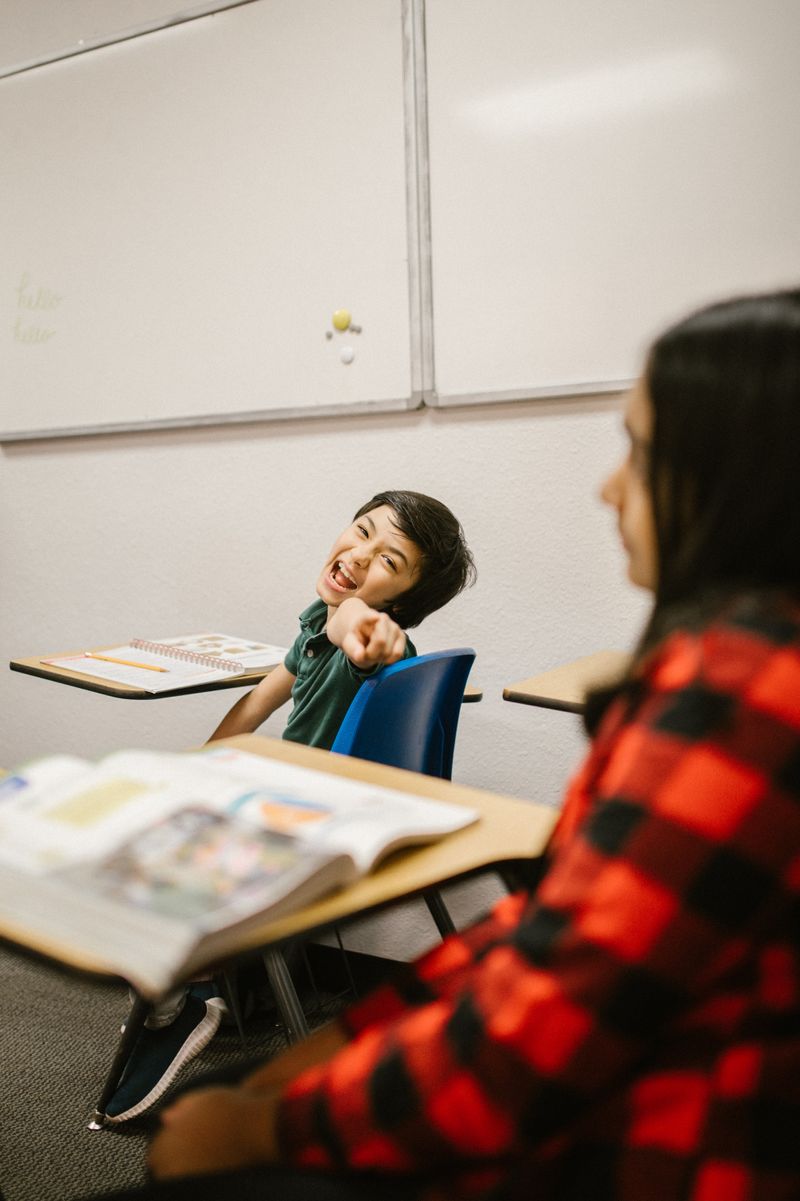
(383, 627)
(369, 641)
(388, 641)
(355, 649)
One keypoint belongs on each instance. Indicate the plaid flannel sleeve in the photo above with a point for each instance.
(440, 973)
(506, 1034)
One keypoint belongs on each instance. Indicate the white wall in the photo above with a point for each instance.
(162, 533)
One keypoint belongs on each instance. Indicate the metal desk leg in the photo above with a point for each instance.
(291, 1010)
(439, 912)
(133, 1026)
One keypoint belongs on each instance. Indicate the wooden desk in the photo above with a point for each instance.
(36, 665)
(508, 830)
(566, 687)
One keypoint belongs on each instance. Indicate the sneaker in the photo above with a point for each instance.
(158, 1055)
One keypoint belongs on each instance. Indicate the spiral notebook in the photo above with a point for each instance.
(161, 665)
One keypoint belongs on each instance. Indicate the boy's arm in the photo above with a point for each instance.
(256, 706)
(366, 636)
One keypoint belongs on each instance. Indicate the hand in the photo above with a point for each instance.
(365, 635)
(215, 1130)
(318, 1048)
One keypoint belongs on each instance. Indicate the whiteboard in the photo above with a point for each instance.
(595, 171)
(189, 208)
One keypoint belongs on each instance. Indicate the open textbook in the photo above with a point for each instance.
(148, 862)
(169, 663)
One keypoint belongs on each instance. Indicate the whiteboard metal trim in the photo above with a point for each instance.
(546, 392)
(124, 35)
(420, 268)
(254, 416)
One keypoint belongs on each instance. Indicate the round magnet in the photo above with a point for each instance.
(347, 354)
(341, 319)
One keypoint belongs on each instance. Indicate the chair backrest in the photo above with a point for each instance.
(406, 715)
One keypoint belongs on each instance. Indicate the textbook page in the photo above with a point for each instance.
(241, 652)
(148, 860)
(337, 813)
(161, 665)
(147, 671)
(62, 810)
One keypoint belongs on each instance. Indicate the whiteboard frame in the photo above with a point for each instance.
(248, 416)
(418, 203)
(418, 246)
(86, 45)
(546, 392)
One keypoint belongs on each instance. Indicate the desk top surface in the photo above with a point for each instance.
(565, 687)
(36, 665)
(508, 829)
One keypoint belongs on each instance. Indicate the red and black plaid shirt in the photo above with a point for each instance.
(633, 1031)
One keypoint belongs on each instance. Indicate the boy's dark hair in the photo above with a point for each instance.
(447, 565)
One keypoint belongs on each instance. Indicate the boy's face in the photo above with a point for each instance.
(372, 560)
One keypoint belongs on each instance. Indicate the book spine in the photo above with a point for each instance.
(215, 662)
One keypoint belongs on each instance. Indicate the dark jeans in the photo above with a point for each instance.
(270, 1184)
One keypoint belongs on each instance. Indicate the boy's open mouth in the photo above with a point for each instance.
(341, 576)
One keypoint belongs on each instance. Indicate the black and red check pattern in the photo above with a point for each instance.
(633, 1031)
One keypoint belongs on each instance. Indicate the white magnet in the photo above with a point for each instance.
(347, 354)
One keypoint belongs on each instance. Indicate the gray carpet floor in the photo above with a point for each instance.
(58, 1032)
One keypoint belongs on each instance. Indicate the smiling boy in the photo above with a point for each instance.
(402, 557)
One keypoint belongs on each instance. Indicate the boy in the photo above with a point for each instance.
(402, 557)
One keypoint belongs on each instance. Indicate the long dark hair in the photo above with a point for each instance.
(724, 469)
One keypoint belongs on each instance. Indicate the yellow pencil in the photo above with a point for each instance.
(124, 662)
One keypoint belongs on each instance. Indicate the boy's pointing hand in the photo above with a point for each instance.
(366, 636)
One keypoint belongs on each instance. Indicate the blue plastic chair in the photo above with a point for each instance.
(406, 715)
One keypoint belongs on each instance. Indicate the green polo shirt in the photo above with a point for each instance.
(326, 681)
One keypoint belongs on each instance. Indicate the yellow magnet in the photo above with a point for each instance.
(341, 319)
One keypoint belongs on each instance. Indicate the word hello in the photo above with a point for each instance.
(37, 301)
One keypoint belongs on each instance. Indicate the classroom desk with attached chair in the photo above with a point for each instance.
(39, 665)
(508, 831)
